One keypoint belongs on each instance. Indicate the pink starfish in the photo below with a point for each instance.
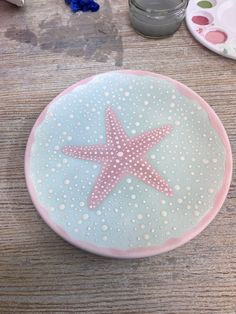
(120, 156)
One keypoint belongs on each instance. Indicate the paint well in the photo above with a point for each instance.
(216, 37)
(200, 20)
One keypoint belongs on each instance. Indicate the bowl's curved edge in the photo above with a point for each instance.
(171, 243)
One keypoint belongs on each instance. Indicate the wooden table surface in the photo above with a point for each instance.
(44, 49)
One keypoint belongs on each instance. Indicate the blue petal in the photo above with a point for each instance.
(75, 7)
(94, 7)
(85, 2)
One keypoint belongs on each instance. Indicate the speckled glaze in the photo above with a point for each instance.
(135, 204)
(213, 24)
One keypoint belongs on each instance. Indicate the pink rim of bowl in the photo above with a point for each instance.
(171, 243)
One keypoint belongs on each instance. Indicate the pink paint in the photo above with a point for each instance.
(171, 243)
(216, 37)
(200, 20)
(121, 155)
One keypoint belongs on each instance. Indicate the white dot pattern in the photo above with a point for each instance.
(121, 155)
(112, 172)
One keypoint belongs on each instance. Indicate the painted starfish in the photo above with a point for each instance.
(121, 155)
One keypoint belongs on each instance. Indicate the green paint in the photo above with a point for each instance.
(205, 4)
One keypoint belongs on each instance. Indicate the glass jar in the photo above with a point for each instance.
(157, 18)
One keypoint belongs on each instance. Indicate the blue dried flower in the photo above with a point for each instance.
(83, 5)
(75, 6)
(94, 6)
(85, 2)
(85, 8)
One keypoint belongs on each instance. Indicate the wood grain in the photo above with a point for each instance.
(44, 49)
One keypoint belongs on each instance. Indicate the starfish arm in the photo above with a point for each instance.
(109, 176)
(148, 139)
(93, 152)
(114, 129)
(150, 176)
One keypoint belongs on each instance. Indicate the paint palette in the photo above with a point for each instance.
(128, 164)
(213, 24)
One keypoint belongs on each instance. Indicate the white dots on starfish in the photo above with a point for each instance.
(120, 154)
(205, 161)
(62, 206)
(127, 94)
(179, 200)
(211, 190)
(71, 116)
(214, 160)
(67, 181)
